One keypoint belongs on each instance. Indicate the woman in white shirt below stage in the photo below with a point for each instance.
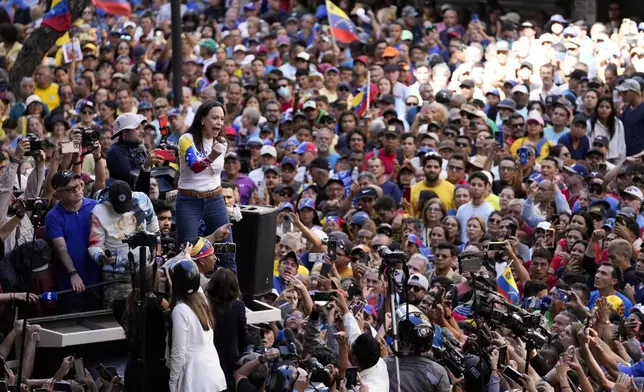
(194, 362)
(201, 160)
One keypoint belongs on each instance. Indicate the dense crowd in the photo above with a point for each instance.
(458, 191)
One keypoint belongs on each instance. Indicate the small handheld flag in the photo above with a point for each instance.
(506, 286)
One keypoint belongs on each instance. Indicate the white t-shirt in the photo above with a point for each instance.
(468, 210)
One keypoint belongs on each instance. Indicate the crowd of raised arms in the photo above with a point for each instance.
(458, 193)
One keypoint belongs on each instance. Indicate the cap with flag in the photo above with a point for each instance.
(115, 7)
(58, 17)
(342, 27)
(505, 284)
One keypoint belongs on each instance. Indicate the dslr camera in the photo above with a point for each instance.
(36, 145)
(89, 137)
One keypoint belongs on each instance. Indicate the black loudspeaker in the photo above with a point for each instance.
(255, 239)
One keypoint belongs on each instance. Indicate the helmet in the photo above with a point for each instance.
(185, 277)
(415, 331)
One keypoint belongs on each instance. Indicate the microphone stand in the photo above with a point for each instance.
(36, 217)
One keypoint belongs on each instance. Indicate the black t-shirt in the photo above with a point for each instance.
(245, 386)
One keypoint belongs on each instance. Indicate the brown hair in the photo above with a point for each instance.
(199, 305)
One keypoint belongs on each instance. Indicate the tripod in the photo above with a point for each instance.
(141, 240)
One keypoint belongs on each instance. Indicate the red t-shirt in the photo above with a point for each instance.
(387, 161)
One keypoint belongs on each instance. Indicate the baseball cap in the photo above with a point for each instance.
(520, 89)
(272, 168)
(579, 119)
(304, 147)
(629, 85)
(359, 218)
(507, 104)
(62, 178)
(201, 248)
(367, 192)
(319, 163)
(418, 280)
(120, 196)
(279, 188)
(467, 83)
(268, 150)
(306, 203)
(303, 56)
(535, 116)
(536, 177)
(558, 19)
(494, 91)
(231, 155)
(502, 46)
(254, 140)
(363, 59)
(142, 106)
(603, 140)
(174, 112)
(309, 105)
(127, 121)
(579, 169)
(288, 161)
(543, 225)
(633, 191)
(285, 205)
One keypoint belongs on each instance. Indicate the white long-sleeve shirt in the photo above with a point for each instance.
(194, 362)
(617, 144)
(375, 377)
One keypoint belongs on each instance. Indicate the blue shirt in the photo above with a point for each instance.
(627, 303)
(582, 148)
(277, 284)
(74, 227)
(391, 189)
(633, 120)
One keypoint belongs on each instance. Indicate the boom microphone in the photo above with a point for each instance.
(52, 296)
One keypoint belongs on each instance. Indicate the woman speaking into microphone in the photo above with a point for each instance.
(201, 153)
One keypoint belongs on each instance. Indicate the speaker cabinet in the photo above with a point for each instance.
(255, 239)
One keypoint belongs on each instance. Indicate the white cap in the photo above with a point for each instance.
(418, 280)
(316, 75)
(434, 136)
(309, 104)
(544, 225)
(520, 89)
(127, 121)
(268, 150)
(240, 47)
(248, 60)
(635, 192)
(31, 99)
(303, 56)
(129, 23)
(322, 236)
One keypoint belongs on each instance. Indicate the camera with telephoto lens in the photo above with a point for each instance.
(494, 308)
(317, 371)
(89, 136)
(36, 145)
(142, 239)
(392, 257)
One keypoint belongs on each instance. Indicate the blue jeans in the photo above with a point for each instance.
(191, 210)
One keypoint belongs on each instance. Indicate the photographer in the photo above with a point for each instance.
(253, 373)
(119, 214)
(127, 153)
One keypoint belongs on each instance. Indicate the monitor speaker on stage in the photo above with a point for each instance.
(255, 238)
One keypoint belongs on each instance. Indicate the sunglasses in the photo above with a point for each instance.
(462, 144)
(87, 112)
(415, 288)
(517, 126)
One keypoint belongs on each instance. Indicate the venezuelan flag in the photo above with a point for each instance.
(342, 27)
(505, 284)
(114, 7)
(58, 17)
(359, 102)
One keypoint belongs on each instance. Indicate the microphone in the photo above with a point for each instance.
(108, 253)
(52, 296)
(290, 338)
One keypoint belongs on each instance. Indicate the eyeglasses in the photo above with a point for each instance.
(506, 168)
(412, 103)
(449, 134)
(433, 209)
(495, 221)
(456, 168)
(518, 125)
(282, 85)
(160, 107)
(87, 112)
(462, 144)
(76, 187)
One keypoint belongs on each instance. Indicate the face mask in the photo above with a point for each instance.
(283, 92)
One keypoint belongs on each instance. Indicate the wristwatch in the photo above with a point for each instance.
(71, 274)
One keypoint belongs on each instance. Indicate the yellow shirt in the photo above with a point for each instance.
(347, 273)
(444, 190)
(301, 270)
(494, 200)
(49, 96)
(545, 147)
(11, 55)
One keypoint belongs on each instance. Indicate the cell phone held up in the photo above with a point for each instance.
(512, 374)
(332, 246)
(168, 155)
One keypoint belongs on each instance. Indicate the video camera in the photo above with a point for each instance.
(142, 239)
(391, 257)
(497, 311)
